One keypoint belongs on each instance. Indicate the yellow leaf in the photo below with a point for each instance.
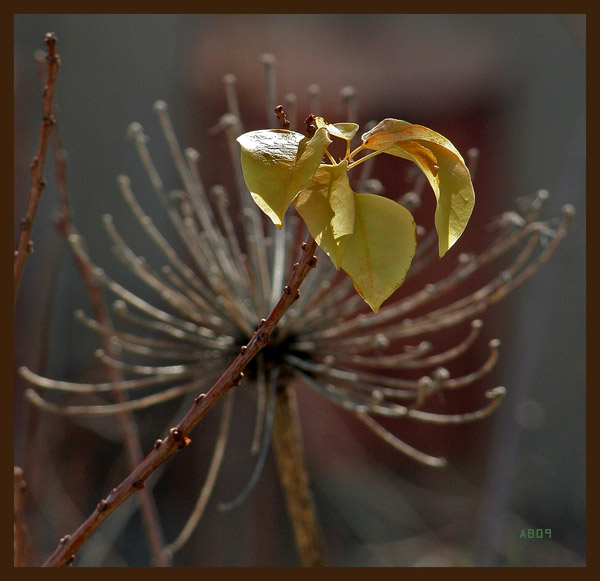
(342, 130)
(441, 163)
(277, 164)
(380, 250)
(327, 207)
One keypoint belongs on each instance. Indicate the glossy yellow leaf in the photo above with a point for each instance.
(327, 208)
(342, 130)
(441, 163)
(380, 250)
(277, 164)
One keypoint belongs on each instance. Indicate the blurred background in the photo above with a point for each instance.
(513, 86)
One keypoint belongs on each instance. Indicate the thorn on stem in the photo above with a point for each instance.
(176, 434)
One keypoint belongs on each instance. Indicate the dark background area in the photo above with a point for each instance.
(512, 85)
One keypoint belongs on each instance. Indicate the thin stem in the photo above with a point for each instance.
(25, 246)
(20, 554)
(287, 443)
(359, 161)
(177, 438)
(211, 478)
(125, 418)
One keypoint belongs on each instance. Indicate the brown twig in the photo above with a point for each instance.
(25, 246)
(287, 443)
(177, 438)
(126, 420)
(20, 554)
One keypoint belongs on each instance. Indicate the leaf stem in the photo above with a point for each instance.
(359, 161)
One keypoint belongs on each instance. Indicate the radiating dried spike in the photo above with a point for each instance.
(261, 404)
(291, 109)
(265, 447)
(568, 213)
(459, 310)
(257, 249)
(233, 105)
(472, 161)
(219, 193)
(353, 399)
(320, 368)
(138, 265)
(425, 387)
(314, 99)
(349, 104)
(196, 191)
(176, 354)
(496, 395)
(278, 267)
(408, 359)
(165, 322)
(410, 200)
(193, 340)
(156, 236)
(457, 382)
(401, 446)
(72, 387)
(211, 477)
(210, 319)
(162, 370)
(225, 258)
(252, 222)
(367, 167)
(269, 61)
(111, 409)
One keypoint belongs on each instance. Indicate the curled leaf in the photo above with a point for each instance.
(277, 164)
(342, 130)
(441, 163)
(327, 208)
(379, 252)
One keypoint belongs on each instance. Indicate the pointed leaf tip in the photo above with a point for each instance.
(380, 250)
(443, 166)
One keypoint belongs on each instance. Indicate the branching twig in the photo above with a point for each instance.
(178, 435)
(20, 550)
(126, 420)
(25, 245)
